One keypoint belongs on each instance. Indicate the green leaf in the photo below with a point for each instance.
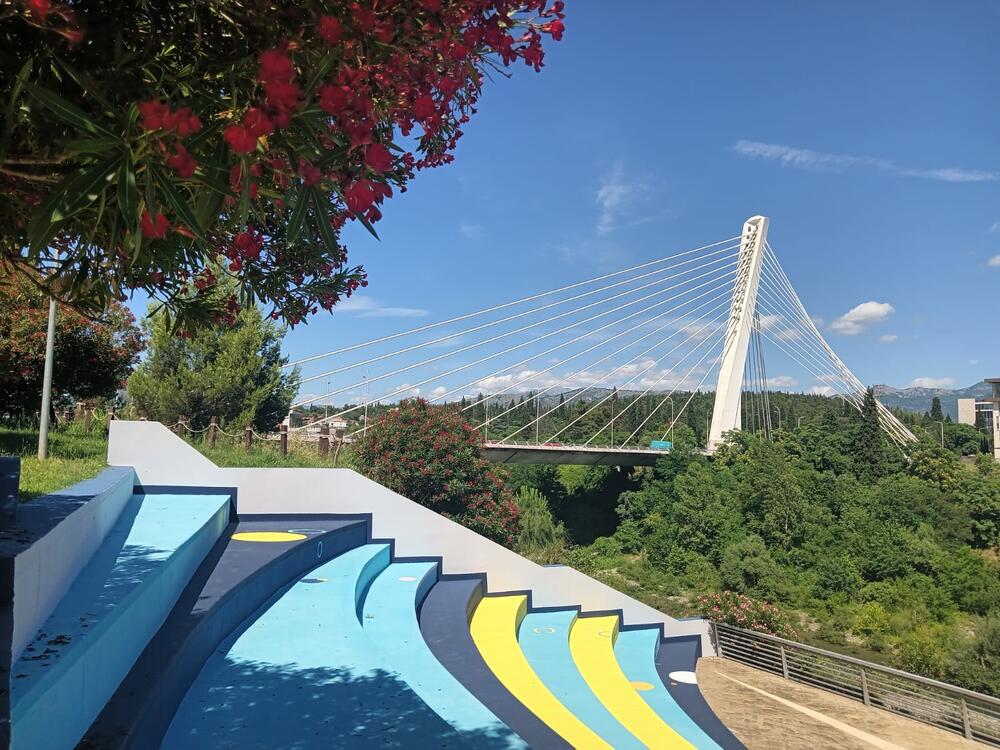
(65, 111)
(84, 81)
(15, 95)
(73, 194)
(297, 218)
(323, 219)
(180, 207)
(128, 194)
(94, 145)
(367, 225)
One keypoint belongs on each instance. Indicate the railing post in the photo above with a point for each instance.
(324, 440)
(966, 723)
(179, 427)
(283, 440)
(88, 417)
(213, 427)
(248, 438)
(865, 697)
(109, 419)
(714, 632)
(784, 663)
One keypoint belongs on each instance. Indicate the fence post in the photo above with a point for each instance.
(865, 697)
(109, 419)
(78, 411)
(784, 663)
(966, 723)
(179, 427)
(213, 425)
(283, 439)
(324, 440)
(248, 438)
(88, 416)
(713, 633)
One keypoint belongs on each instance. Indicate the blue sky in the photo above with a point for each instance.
(869, 133)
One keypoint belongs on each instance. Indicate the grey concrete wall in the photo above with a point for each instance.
(161, 458)
(71, 525)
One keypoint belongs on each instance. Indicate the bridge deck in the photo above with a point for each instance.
(587, 455)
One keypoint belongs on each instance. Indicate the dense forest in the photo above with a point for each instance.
(867, 551)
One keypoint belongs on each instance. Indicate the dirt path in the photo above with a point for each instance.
(769, 713)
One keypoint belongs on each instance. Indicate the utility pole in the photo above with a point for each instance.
(50, 344)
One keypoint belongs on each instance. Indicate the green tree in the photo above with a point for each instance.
(747, 567)
(976, 664)
(869, 450)
(704, 514)
(93, 357)
(234, 373)
(539, 531)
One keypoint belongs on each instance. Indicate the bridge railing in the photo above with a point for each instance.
(965, 712)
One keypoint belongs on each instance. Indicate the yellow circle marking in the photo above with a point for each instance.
(268, 536)
(641, 686)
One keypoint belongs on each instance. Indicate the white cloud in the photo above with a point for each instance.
(858, 318)
(931, 383)
(822, 390)
(888, 338)
(474, 232)
(782, 381)
(973, 362)
(439, 391)
(818, 161)
(613, 196)
(368, 307)
(994, 262)
(995, 227)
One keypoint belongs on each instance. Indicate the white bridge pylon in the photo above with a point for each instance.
(585, 373)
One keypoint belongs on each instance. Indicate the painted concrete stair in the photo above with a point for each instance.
(307, 667)
(114, 607)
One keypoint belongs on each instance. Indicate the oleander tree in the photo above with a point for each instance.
(430, 455)
(155, 144)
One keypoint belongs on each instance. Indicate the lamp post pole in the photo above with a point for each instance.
(50, 341)
(937, 421)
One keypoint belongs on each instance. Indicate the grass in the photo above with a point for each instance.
(75, 455)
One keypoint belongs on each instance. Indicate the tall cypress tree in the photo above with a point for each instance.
(871, 460)
(936, 413)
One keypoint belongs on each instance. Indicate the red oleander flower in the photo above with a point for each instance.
(555, 28)
(152, 114)
(240, 139)
(360, 196)
(275, 65)
(257, 122)
(40, 9)
(378, 158)
(330, 30)
(154, 229)
(310, 174)
(182, 162)
(282, 95)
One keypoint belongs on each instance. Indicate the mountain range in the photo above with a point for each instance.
(919, 399)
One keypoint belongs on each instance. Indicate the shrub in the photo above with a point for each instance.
(430, 455)
(746, 612)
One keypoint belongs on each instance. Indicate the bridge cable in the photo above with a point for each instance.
(494, 308)
(522, 329)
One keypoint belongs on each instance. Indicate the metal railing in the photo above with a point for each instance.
(974, 715)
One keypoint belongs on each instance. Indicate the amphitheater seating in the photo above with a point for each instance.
(189, 629)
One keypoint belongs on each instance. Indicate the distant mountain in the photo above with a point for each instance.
(919, 399)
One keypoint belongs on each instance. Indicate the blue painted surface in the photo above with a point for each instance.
(635, 651)
(390, 620)
(544, 639)
(113, 608)
(304, 674)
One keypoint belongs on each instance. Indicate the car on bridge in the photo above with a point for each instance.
(661, 445)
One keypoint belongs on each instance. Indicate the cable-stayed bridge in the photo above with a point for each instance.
(661, 331)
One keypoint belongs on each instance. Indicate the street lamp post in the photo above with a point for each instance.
(43, 423)
(937, 421)
(798, 423)
(778, 409)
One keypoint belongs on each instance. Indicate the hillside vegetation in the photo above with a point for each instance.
(863, 550)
